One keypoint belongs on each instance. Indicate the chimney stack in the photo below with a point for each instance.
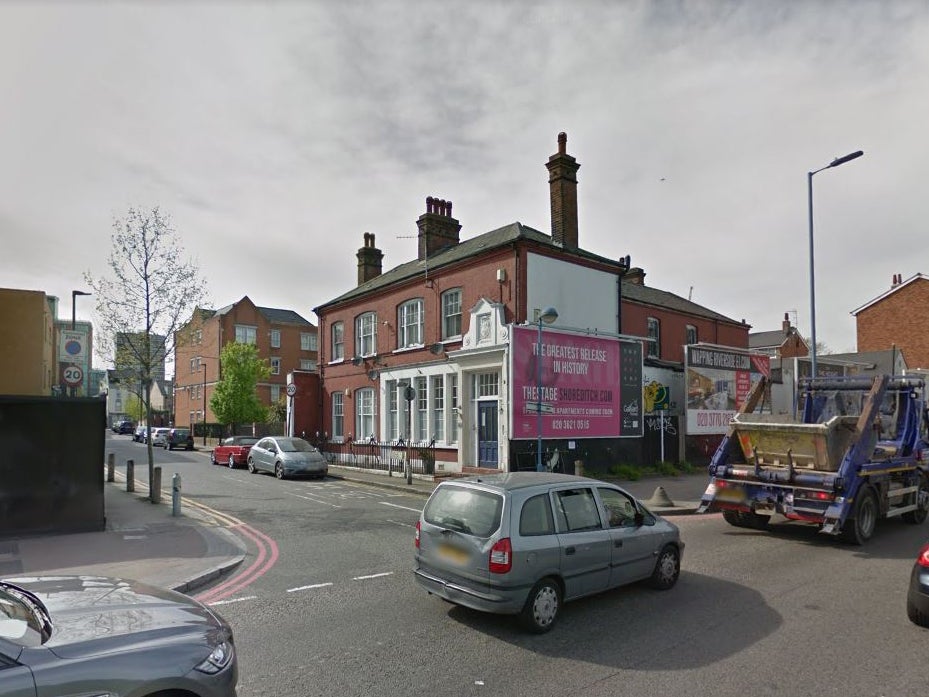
(562, 185)
(438, 230)
(785, 325)
(369, 260)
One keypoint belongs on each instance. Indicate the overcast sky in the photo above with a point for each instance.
(277, 134)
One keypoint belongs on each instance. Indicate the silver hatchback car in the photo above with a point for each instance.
(287, 457)
(525, 542)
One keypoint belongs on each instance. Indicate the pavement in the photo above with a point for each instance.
(146, 542)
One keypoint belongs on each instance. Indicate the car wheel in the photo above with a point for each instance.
(542, 606)
(667, 568)
(860, 526)
(251, 466)
(279, 470)
(213, 459)
(232, 462)
(918, 517)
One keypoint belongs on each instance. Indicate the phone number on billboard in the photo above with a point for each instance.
(570, 424)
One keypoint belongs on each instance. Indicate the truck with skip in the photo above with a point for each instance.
(856, 453)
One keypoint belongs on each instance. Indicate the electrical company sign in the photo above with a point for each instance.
(591, 386)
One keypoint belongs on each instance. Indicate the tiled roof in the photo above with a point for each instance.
(766, 339)
(507, 235)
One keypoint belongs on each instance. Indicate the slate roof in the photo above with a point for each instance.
(272, 314)
(509, 234)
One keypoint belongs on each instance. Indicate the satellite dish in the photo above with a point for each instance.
(436, 349)
(357, 360)
(373, 374)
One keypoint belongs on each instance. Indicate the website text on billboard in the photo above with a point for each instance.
(718, 381)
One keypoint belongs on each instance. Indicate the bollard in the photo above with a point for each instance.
(408, 468)
(130, 475)
(155, 494)
(111, 467)
(578, 468)
(176, 494)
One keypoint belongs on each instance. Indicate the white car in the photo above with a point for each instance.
(158, 436)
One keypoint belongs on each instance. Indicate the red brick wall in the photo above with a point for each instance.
(901, 319)
(673, 332)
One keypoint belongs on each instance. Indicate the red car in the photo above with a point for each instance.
(233, 451)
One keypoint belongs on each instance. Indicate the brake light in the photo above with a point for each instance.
(501, 557)
(923, 558)
(416, 537)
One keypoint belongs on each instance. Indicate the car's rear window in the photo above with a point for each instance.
(467, 510)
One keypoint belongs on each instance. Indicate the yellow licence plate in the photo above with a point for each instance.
(455, 555)
(730, 495)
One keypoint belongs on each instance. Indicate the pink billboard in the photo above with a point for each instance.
(591, 386)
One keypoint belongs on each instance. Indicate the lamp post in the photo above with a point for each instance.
(548, 315)
(74, 294)
(809, 189)
(203, 365)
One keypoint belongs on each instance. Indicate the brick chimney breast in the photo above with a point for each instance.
(562, 185)
(438, 230)
(370, 260)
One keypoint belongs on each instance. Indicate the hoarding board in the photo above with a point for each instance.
(591, 386)
(718, 381)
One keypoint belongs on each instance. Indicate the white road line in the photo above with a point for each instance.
(405, 508)
(402, 525)
(310, 498)
(365, 578)
(305, 588)
(234, 600)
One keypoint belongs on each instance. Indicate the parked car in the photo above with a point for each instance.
(233, 451)
(139, 435)
(93, 636)
(158, 436)
(179, 438)
(525, 542)
(286, 457)
(917, 597)
(123, 427)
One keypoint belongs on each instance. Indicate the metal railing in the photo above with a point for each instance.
(385, 456)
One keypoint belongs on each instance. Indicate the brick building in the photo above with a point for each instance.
(28, 347)
(443, 324)
(785, 342)
(899, 318)
(284, 338)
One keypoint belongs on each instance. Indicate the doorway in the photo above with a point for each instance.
(487, 434)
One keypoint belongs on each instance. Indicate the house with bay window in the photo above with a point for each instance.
(424, 351)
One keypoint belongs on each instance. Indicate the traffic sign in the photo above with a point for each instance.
(291, 389)
(73, 375)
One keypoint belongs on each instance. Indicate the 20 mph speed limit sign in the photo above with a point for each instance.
(73, 375)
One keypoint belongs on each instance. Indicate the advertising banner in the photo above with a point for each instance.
(718, 381)
(591, 386)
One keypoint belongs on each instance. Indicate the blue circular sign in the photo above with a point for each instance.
(73, 347)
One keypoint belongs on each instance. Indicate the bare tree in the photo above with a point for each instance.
(150, 287)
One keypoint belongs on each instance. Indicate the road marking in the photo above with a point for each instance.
(402, 525)
(405, 508)
(310, 498)
(234, 600)
(365, 578)
(304, 588)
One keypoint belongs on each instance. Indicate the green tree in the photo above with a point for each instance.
(277, 412)
(142, 301)
(235, 399)
(135, 408)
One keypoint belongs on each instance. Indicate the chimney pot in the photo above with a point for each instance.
(562, 143)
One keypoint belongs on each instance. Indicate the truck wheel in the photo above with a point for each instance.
(918, 517)
(860, 525)
(756, 521)
(734, 518)
(542, 606)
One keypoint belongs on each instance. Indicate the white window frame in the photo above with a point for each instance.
(451, 313)
(410, 323)
(246, 334)
(690, 334)
(337, 332)
(365, 334)
(365, 413)
(307, 364)
(275, 338)
(275, 394)
(421, 406)
(338, 416)
(275, 365)
(307, 341)
(653, 332)
(438, 407)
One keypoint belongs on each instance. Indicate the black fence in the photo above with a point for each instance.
(385, 456)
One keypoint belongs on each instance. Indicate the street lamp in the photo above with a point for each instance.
(74, 294)
(809, 188)
(203, 365)
(548, 315)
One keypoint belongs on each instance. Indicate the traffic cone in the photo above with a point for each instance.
(660, 499)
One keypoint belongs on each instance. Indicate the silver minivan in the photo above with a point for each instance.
(525, 542)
